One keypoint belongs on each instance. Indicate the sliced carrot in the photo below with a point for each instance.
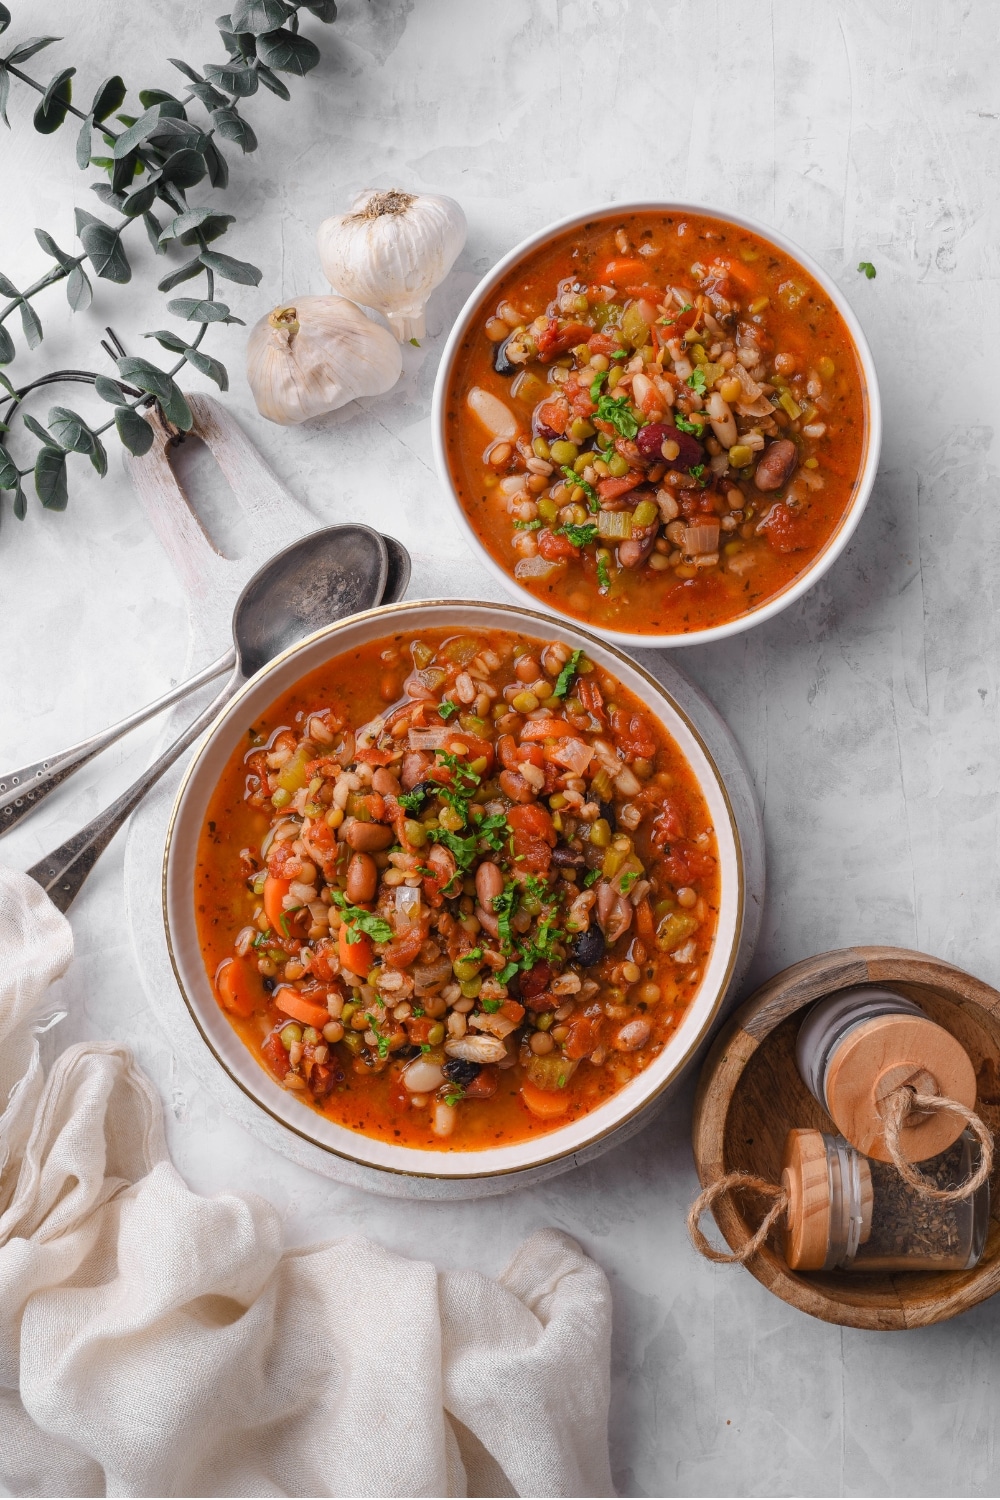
(300, 1008)
(275, 891)
(622, 272)
(644, 920)
(546, 1104)
(548, 729)
(239, 987)
(512, 1011)
(357, 956)
(610, 489)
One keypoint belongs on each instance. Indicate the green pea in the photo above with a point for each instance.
(465, 969)
(544, 1021)
(645, 513)
(547, 509)
(415, 833)
(541, 448)
(600, 833)
(562, 452)
(290, 1034)
(580, 429)
(471, 987)
(603, 441)
(617, 466)
(281, 797)
(436, 1035)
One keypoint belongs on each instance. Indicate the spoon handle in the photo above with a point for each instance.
(22, 791)
(63, 872)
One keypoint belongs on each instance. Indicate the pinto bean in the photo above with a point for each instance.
(362, 878)
(631, 1036)
(416, 764)
(633, 553)
(777, 465)
(488, 922)
(489, 883)
(514, 786)
(367, 837)
(385, 781)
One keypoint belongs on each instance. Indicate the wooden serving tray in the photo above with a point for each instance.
(750, 1095)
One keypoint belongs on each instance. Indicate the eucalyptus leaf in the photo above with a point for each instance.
(123, 172)
(209, 96)
(154, 230)
(9, 477)
(232, 127)
(232, 270)
(192, 219)
(241, 81)
(196, 310)
(149, 97)
(7, 287)
(109, 97)
(183, 273)
(258, 16)
(20, 504)
(85, 143)
(137, 133)
(50, 247)
(99, 456)
(4, 94)
(108, 196)
(79, 293)
(146, 376)
(55, 103)
(4, 18)
(186, 69)
(6, 383)
(208, 366)
(36, 429)
(140, 200)
(136, 435)
(171, 134)
(108, 390)
(105, 253)
(31, 324)
(176, 409)
(272, 81)
(168, 340)
(70, 430)
(83, 219)
(50, 478)
(323, 10)
(29, 48)
(218, 169)
(7, 350)
(186, 168)
(287, 52)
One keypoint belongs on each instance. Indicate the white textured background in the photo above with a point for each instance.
(867, 130)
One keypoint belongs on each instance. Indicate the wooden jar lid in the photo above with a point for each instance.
(880, 1055)
(806, 1180)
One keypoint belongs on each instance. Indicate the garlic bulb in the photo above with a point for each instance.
(315, 354)
(391, 251)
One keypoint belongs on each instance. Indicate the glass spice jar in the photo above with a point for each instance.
(858, 1046)
(848, 1213)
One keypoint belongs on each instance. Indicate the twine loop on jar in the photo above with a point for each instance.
(905, 1101)
(736, 1182)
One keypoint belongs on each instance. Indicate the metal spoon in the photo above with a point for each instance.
(321, 578)
(24, 790)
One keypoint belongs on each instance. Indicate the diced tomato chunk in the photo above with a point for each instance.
(785, 531)
(404, 948)
(585, 1033)
(610, 489)
(553, 415)
(553, 340)
(274, 1054)
(556, 548)
(633, 734)
(684, 863)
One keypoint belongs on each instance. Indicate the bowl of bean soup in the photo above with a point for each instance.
(453, 890)
(659, 421)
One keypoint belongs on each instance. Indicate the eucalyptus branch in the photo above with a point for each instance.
(158, 157)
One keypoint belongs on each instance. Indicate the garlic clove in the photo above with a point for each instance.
(314, 354)
(495, 416)
(390, 252)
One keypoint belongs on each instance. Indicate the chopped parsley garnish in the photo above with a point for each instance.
(283, 920)
(617, 412)
(473, 953)
(412, 801)
(696, 380)
(598, 381)
(572, 477)
(455, 1094)
(683, 425)
(603, 576)
(492, 828)
(580, 536)
(566, 676)
(260, 941)
(358, 921)
(591, 877)
(534, 525)
(868, 269)
(381, 1041)
(446, 708)
(507, 973)
(464, 778)
(620, 354)
(418, 1010)
(464, 849)
(504, 907)
(628, 880)
(686, 307)
(492, 1006)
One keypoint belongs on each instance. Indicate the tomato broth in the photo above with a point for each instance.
(656, 422)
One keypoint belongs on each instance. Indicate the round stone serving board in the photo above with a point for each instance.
(212, 584)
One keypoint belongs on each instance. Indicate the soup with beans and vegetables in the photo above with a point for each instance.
(458, 889)
(657, 423)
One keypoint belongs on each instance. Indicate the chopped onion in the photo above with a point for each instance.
(407, 904)
(615, 524)
(287, 829)
(573, 754)
(536, 567)
(701, 538)
(430, 739)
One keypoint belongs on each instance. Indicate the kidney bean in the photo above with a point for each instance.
(489, 883)
(367, 837)
(488, 921)
(778, 464)
(633, 553)
(514, 786)
(650, 439)
(416, 764)
(385, 781)
(362, 878)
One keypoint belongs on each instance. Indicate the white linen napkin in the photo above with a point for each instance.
(154, 1342)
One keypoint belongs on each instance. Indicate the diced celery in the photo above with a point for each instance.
(615, 524)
